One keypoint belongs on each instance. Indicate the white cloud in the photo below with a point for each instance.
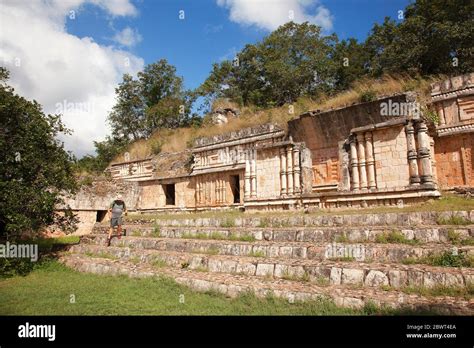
(67, 74)
(270, 14)
(128, 37)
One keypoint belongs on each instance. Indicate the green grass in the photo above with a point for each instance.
(264, 222)
(256, 254)
(342, 239)
(242, 237)
(456, 238)
(210, 251)
(158, 263)
(156, 232)
(102, 255)
(438, 290)
(47, 244)
(227, 222)
(293, 277)
(453, 220)
(135, 260)
(47, 290)
(445, 259)
(394, 237)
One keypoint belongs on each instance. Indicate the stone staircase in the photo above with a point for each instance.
(391, 259)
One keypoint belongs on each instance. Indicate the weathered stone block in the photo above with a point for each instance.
(352, 276)
(265, 269)
(376, 278)
(335, 276)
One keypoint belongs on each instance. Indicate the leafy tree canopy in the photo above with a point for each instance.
(35, 170)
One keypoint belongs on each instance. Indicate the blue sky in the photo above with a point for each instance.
(206, 35)
(70, 55)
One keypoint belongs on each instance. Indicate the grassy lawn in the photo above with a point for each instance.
(448, 202)
(47, 291)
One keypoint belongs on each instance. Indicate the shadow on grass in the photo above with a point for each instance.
(47, 249)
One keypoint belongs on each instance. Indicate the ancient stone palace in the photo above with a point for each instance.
(389, 151)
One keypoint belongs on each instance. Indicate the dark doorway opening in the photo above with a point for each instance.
(235, 187)
(101, 214)
(170, 194)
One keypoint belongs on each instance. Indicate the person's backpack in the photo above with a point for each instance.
(118, 204)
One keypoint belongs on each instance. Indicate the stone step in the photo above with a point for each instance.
(233, 284)
(329, 219)
(426, 234)
(368, 252)
(326, 272)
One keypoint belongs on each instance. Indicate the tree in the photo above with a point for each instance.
(35, 170)
(127, 118)
(157, 99)
(351, 62)
(435, 37)
(167, 104)
(292, 61)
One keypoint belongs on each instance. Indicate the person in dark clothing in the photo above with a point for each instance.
(116, 209)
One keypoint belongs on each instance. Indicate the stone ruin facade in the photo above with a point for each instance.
(382, 152)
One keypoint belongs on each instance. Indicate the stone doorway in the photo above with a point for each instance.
(235, 188)
(170, 194)
(100, 216)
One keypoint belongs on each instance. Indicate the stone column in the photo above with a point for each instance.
(411, 154)
(253, 173)
(369, 152)
(198, 192)
(247, 174)
(440, 111)
(283, 171)
(296, 169)
(289, 172)
(354, 165)
(361, 155)
(224, 191)
(433, 161)
(424, 153)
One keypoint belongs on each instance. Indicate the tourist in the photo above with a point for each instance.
(116, 209)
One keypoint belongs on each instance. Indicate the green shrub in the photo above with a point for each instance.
(445, 259)
(394, 237)
(256, 254)
(367, 96)
(226, 223)
(453, 220)
(264, 222)
(10, 267)
(156, 232)
(449, 259)
(342, 238)
(155, 147)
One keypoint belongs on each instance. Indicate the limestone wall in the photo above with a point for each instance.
(453, 101)
(87, 219)
(215, 189)
(153, 194)
(390, 155)
(454, 160)
(268, 173)
(100, 194)
(322, 134)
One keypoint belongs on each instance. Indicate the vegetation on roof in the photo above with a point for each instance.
(290, 71)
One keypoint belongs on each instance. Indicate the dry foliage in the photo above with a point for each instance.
(179, 139)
